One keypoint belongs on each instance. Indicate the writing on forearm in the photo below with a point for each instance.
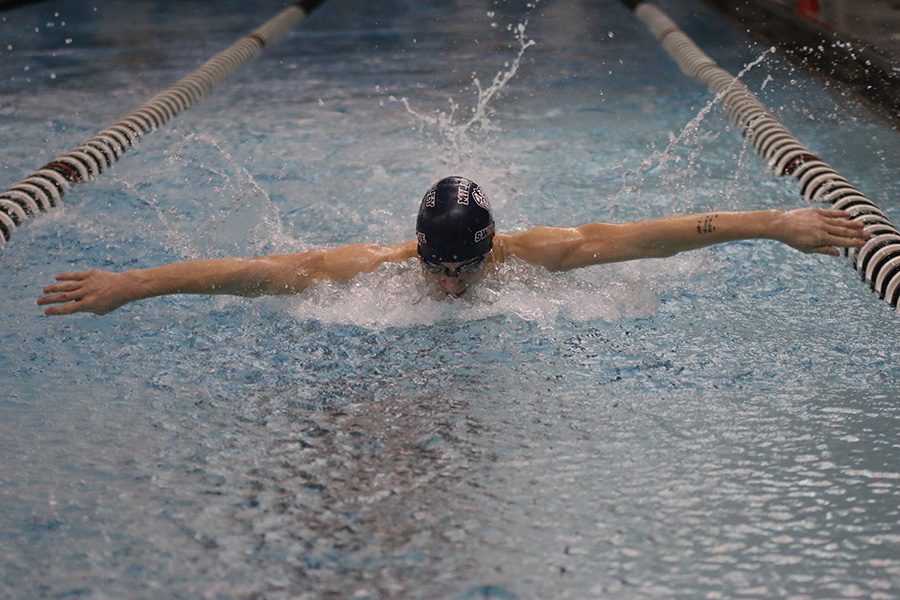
(706, 224)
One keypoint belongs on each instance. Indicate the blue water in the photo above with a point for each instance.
(718, 424)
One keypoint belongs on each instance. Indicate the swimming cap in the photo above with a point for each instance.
(455, 222)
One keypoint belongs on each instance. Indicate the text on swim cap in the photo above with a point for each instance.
(484, 233)
(462, 192)
(480, 198)
(429, 197)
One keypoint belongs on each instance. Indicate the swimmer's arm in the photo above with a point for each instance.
(293, 273)
(810, 230)
(101, 292)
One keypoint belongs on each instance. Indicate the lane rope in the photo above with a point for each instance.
(44, 189)
(878, 262)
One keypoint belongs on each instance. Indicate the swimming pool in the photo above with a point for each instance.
(717, 424)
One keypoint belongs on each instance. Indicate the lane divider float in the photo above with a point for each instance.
(44, 189)
(878, 262)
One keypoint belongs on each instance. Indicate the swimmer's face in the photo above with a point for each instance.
(454, 278)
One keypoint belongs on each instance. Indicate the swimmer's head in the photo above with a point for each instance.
(455, 222)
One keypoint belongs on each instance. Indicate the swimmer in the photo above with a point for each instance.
(456, 245)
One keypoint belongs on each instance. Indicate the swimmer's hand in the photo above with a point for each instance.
(95, 291)
(819, 231)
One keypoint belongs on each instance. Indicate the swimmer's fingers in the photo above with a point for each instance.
(834, 238)
(834, 214)
(75, 275)
(70, 307)
(831, 244)
(829, 250)
(67, 286)
(70, 282)
(68, 295)
(839, 224)
(69, 279)
(823, 231)
(844, 233)
(83, 291)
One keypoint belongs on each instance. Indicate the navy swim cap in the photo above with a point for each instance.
(455, 222)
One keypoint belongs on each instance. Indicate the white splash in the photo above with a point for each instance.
(239, 215)
(455, 131)
(691, 130)
(398, 296)
(689, 137)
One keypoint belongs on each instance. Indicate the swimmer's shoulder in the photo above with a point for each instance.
(544, 246)
(524, 245)
(400, 252)
(501, 250)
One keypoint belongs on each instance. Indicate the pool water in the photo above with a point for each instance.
(718, 424)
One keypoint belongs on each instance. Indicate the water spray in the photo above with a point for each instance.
(457, 133)
(44, 189)
(878, 262)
